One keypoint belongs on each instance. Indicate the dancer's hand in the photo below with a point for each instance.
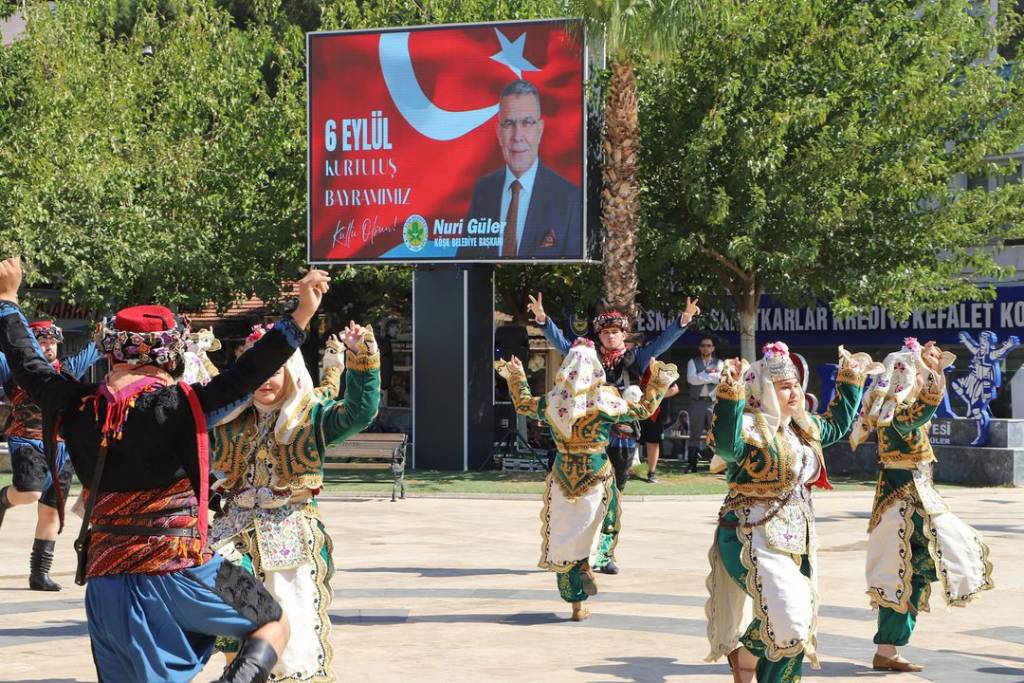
(931, 356)
(352, 335)
(692, 310)
(312, 288)
(10, 279)
(517, 365)
(536, 306)
(734, 367)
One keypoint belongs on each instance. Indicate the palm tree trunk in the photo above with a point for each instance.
(620, 194)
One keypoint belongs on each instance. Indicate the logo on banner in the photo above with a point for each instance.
(414, 232)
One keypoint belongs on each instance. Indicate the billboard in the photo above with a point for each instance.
(459, 143)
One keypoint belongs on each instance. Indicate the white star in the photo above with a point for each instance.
(511, 54)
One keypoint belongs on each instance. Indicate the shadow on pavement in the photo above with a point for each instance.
(649, 669)
(520, 619)
(443, 572)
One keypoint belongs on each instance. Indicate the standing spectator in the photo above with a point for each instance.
(650, 434)
(702, 374)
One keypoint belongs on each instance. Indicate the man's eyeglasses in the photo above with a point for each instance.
(526, 123)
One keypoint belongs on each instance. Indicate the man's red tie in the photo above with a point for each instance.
(508, 245)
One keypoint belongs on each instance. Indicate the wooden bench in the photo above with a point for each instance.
(360, 452)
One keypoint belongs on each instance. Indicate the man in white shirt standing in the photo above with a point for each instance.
(702, 374)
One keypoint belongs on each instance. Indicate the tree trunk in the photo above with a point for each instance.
(746, 308)
(620, 192)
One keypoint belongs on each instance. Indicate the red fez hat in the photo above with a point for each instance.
(145, 319)
(40, 324)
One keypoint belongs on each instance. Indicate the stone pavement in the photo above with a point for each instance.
(436, 589)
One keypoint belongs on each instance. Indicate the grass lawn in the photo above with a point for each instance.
(672, 481)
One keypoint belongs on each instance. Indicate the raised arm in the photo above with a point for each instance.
(342, 419)
(519, 389)
(726, 436)
(648, 352)
(25, 362)
(910, 417)
(25, 359)
(932, 379)
(1005, 348)
(268, 354)
(550, 330)
(80, 363)
(836, 421)
(968, 342)
(334, 364)
(662, 377)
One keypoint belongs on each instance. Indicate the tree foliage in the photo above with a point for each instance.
(809, 149)
(176, 177)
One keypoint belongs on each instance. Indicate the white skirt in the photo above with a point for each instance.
(570, 528)
(776, 592)
(960, 557)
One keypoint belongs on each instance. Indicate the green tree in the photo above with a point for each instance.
(810, 149)
(175, 177)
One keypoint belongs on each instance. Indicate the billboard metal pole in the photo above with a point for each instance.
(453, 376)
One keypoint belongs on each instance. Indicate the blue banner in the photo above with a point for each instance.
(818, 326)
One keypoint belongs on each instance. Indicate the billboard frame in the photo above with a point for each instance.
(583, 259)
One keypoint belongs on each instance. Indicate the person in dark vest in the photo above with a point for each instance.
(30, 477)
(624, 362)
(157, 597)
(702, 374)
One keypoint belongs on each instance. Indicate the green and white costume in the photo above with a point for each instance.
(913, 538)
(580, 498)
(271, 467)
(763, 579)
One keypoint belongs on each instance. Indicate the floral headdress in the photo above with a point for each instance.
(580, 389)
(612, 318)
(778, 362)
(898, 382)
(45, 329)
(760, 377)
(143, 335)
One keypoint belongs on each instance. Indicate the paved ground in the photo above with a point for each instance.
(446, 590)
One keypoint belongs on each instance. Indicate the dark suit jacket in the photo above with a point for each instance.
(552, 228)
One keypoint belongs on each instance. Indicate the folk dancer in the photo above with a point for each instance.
(30, 477)
(156, 597)
(624, 362)
(580, 496)
(269, 454)
(763, 557)
(913, 538)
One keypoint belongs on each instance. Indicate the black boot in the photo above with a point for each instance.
(252, 665)
(40, 563)
(4, 503)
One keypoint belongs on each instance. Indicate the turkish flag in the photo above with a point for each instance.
(403, 125)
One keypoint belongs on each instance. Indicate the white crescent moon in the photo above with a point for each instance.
(422, 114)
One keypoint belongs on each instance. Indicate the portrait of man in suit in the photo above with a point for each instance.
(541, 209)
